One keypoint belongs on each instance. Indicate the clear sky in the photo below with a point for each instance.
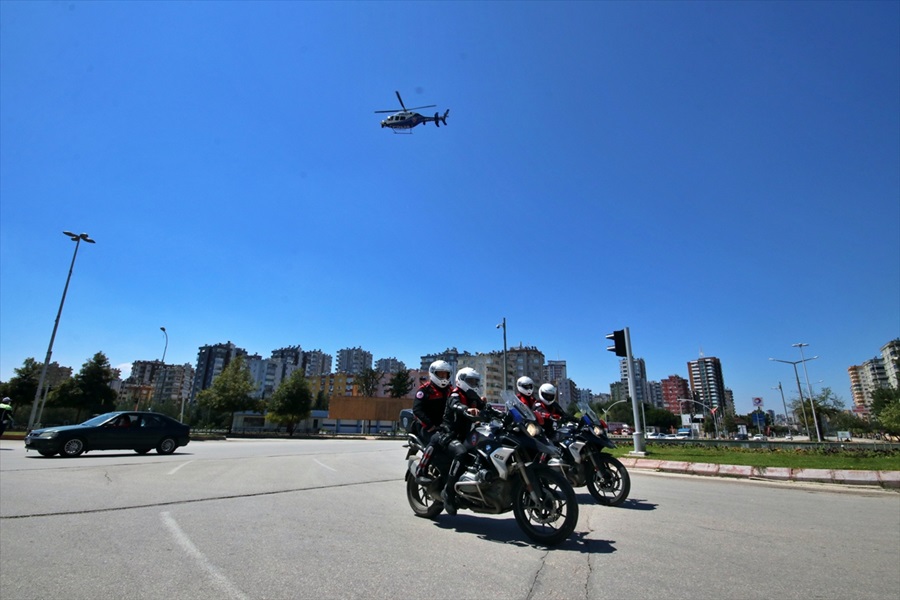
(723, 178)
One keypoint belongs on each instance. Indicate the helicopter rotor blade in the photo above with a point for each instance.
(400, 99)
(418, 107)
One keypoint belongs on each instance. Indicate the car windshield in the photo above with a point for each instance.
(99, 419)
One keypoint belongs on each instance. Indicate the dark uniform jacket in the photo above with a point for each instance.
(454, 422)
(428, 407)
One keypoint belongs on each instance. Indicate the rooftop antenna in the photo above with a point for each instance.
(701, 351)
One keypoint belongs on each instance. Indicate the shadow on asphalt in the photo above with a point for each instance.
(630, 503)
(506, 531)
(104, 454)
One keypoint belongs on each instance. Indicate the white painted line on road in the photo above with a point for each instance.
(324, 466)
(184, 541)
(175, 470)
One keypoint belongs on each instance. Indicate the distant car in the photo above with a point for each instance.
(758, 437)
(741, 437)
(655, 435)
(138, 431)
(671, 436)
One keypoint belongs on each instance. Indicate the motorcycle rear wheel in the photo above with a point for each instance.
(421, 501)
(610, 484)
(554, 517)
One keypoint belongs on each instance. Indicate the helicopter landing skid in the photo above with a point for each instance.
(404, 131)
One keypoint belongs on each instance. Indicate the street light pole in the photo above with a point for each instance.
(800, 390)
(783, 403)
(715, 421)
(161, 385)
(77, 238)
(812, 405)
(503, 325)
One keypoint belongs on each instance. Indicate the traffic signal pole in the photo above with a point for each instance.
(622, 347)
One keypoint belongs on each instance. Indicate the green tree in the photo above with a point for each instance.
(321, 402)
(230, 390)
(661, 418)
(400, 384)
(22, 387)
(882, 398)
(368, 382)
(89, 391)
(889, 417)
(291, 402)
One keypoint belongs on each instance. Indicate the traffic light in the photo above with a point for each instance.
(618, 338)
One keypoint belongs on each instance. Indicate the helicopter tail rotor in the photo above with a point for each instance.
(438, 119)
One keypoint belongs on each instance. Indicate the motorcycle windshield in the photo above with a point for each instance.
(520, 412)
(587, 414)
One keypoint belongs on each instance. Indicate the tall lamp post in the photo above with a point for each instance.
(787, 418)
(711, 411)
(503, 325)
(161, 385)
(800, 390)
(812, 406)
(77, 238)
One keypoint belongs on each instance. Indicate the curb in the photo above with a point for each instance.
(884, 479)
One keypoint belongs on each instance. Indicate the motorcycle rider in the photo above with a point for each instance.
(464, 398)
(525, 389)
(428, 407)
(547, 409)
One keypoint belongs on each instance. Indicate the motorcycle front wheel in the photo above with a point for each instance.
(610, 484)
(420, 500)
(553, 517)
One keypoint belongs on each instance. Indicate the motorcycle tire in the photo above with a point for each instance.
(610, 484)
(421, 501)
(553, 519)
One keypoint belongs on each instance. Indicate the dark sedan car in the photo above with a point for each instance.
(138, 431)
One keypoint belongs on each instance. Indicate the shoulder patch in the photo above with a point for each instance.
(420, 394)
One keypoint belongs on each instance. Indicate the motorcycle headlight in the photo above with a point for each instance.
(598, 431)
(533, 429)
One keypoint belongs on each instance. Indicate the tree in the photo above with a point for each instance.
(368, 382)
(661, 418)
(400, 384)
(882, 398)
(230, 390)
(321, 402)
(827, 404)
(291, 402)
(22, 387)
(89, 391)
(889, 418)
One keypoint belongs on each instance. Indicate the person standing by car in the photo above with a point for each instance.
(5, 415)
(428, 408)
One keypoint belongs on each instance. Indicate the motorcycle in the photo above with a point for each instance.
(505, 473)
(583, 460)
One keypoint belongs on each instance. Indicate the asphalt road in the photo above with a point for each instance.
(280, 519)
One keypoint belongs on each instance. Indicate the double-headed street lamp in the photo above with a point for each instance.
(711, 411)
(77, 238)
(800, 390)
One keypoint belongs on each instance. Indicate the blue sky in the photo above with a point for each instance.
(723, 178)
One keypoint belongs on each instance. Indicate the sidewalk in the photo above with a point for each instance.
(883, 479)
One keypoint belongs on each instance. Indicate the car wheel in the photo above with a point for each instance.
(142, 450)
(72, 448)
(167, 446)
(46, 453)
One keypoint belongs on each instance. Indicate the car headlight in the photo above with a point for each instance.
(533, 429)
(47, 435)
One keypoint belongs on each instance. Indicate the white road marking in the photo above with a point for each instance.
(324, 466)
(173, 471)
(217, 576)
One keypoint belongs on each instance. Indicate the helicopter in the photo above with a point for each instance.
(406, 119)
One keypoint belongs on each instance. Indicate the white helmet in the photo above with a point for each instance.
(547, 393)
(525, 385)
(467, 379)
(439, 373)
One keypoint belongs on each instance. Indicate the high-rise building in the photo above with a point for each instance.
(451, 355)
(389, 365)
(316, 363)
(525, 361)
(211, 360)
(490, 366)
(353, 360)
(707, 384)
(864, 380)
(641, 385)
(890, 353)
(674, 389)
